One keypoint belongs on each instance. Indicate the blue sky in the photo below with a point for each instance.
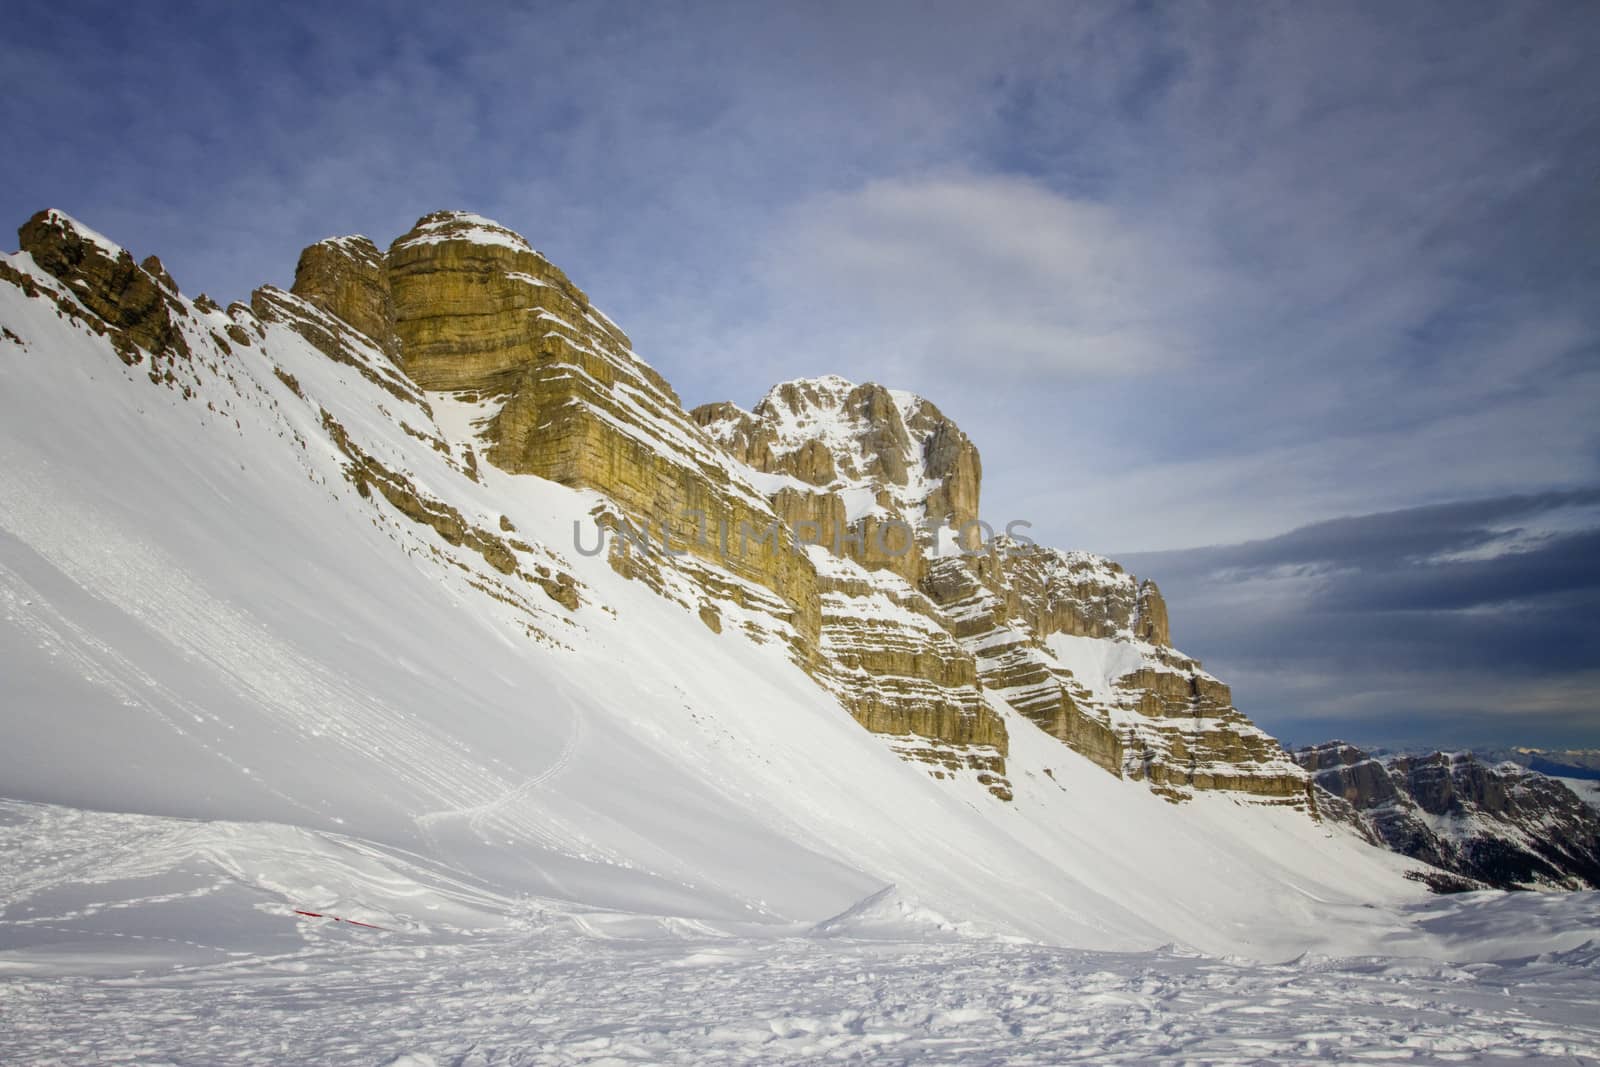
(1197, 278)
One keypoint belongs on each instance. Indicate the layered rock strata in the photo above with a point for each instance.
(479, 314)
(1067, 639)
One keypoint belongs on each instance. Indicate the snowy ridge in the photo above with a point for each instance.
(466, 227)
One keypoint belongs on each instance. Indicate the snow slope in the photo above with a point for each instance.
(237, 687)
(143, 939)
(1585, 789)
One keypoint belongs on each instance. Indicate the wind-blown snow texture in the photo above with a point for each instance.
(587, 833)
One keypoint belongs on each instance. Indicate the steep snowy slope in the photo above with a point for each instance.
(249, 572)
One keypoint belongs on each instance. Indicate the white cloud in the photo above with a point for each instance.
(978, 275)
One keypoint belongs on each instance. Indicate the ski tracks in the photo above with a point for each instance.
(492, 813)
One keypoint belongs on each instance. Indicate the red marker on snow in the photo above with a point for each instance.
(337, 919)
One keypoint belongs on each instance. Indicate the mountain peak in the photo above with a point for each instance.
(465, 227)
(832, 433)
(1486, 822)
(138, 301)
(63, 223)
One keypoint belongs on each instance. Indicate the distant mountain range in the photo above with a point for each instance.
(1481, 822)
(1558, 763)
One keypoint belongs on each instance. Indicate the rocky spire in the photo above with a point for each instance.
(347, 277)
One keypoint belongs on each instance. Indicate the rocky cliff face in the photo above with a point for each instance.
(349, 278)
(474, 312)
(890, 487)
(839, 519)
(890, 457)
(201, 353)
(1481, 824)
(1078, 645)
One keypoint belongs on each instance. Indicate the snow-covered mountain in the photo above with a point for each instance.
(890, 489)
(1480, 823)
(304, 609)
(1578, 763)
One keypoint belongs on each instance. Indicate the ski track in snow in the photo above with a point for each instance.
(479, 815)
(552, 997)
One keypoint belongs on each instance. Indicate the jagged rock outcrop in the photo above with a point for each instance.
(349, 278)
(137, 303)
(891, 659)
(1150, 616)
(869, 475)
(1482, 824)
(983, 613)
(1068, 639)
(479, 312)
(874, 468)
(223, 359)
(476, 307)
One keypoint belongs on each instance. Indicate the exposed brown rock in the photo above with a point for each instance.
(152, 266)
(477, 309)
(141, 307)
(1150, 616)
(475, 305)
(739, 433)
(896, 667)
(870, 442)
(916, 643)
(1168, 722)
(1011, 662)
(334, 338)
(347, 277)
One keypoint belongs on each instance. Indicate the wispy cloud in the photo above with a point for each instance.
(973, 276)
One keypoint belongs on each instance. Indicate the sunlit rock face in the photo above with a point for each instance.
(885, 462)
(890, 486)
(136, 303)
(478, 311)
(1081, 647)
(480, 314)
(872, 476)
(348, 277)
